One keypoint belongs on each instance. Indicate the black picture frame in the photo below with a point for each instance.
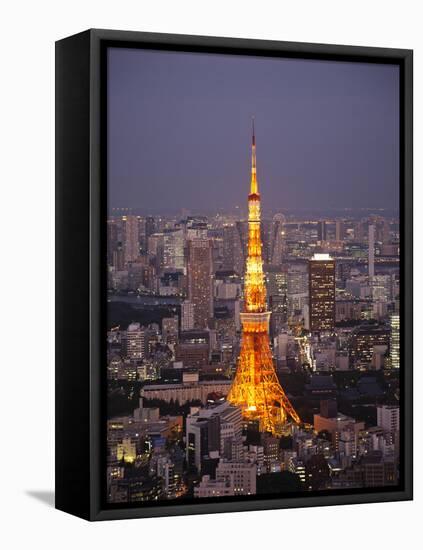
(80, 250)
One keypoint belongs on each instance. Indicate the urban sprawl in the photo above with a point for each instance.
(177, 293)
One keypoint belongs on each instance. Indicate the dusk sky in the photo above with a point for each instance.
(180, 132)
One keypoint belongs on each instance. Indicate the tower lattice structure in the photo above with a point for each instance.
(256, 388)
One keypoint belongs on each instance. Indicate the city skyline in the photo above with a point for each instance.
(247, 355)
(325, 143)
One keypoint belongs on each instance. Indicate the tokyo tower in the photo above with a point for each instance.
(256, 388)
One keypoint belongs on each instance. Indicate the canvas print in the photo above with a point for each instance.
(253, 277)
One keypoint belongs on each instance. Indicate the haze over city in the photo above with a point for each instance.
(179, 127)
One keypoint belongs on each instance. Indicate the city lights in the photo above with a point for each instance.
(214, 320)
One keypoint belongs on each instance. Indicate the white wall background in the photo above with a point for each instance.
(28, 31)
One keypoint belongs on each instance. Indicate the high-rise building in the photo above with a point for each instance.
(187, 315)
(193, 348)
(134, 342)
(173, 249)
(276, 280)
(200, 280)
(388, 417)
(150, 226)
(382, 229)
(131, 238)
(115, 248)
(136, 273)
(371, 258)
(297, 288)
(277, 239)
(197, 227)
(339, 230)
(321, 230)
(394, 347)
(210, 430)
(322, 293)
(365, 339)
(155, 248)
(112, 240)
(170, 327)
(233, 253)
(256, 388)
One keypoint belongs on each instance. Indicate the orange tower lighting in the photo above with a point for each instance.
(256, 388)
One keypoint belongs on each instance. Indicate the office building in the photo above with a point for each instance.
(200, 279)
(187, 315)
(394, 324)
(388, 417)
(173, 249)
(134, 342)
(131, 238)
(322, 293)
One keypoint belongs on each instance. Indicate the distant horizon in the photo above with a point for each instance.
(339, 212)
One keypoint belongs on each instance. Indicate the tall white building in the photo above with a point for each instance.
(135, 342)
(394, 344)
(388, 417)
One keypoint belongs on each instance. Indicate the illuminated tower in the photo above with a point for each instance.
(256, 388)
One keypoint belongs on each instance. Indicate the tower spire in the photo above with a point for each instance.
(254, 184)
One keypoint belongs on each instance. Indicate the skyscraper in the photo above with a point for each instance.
(394, 344)
(233, 253)
(297, 284)
(200, 276)
(170, 328)
(322, 292)
(135, 342)
(256, 388)
(388, 417)
(321, 230)
(276, 279)
(173, 249)
(131, 239)
(371, 259)
(150, 226)
(277, 239)
(339, 230)
(112, 239)
(187, 315)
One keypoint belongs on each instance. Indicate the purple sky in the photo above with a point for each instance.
(180, 132)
